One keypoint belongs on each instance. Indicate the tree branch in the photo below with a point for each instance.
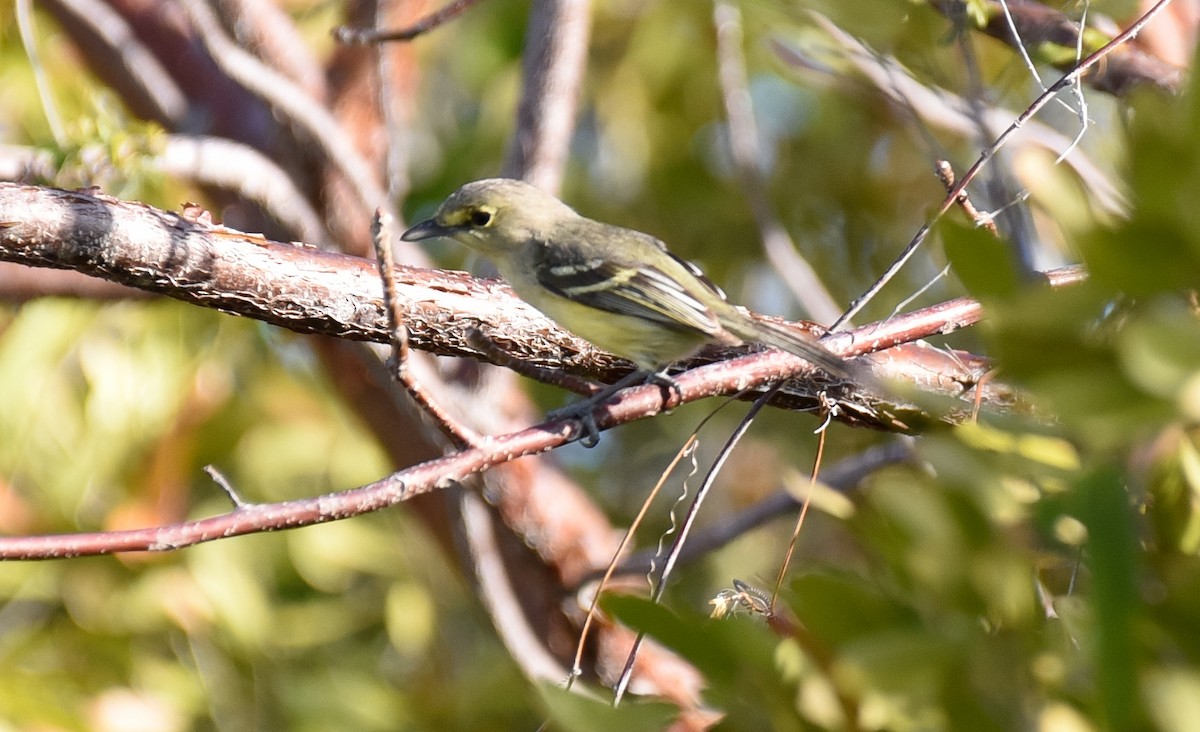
(553, 64)
(315, 292)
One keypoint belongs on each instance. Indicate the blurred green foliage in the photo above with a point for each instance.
(1034, 571)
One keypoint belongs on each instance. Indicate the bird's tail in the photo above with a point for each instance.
(787, 339)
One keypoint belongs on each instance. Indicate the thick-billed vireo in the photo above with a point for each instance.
(617, 288)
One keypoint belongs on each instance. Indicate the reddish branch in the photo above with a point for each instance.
(723, 377)
(251, 518)
(432, 475)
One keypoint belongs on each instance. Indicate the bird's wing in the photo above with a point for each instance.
(621, 283)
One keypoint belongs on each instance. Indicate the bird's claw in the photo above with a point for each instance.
(584, 415)
(669, 386)
(583, 412)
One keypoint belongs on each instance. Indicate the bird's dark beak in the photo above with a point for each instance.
(425, 230)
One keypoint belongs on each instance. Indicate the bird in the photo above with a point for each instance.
(619, 289)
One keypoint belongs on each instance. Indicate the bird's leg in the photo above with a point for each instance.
(668, 384)
(583, 410)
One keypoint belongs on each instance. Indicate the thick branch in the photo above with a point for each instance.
(310, 291)
(292, 286)
(553, 65)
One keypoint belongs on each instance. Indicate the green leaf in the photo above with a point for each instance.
(579, 712)
(840, 606)
(1149, 253)
(1104, 507)
(984, 263)
(737, 656)
(1158, 248)
(716, 647)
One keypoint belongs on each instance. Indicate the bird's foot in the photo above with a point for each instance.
(584, 411)
(668, 385)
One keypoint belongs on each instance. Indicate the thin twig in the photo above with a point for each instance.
(45, 93)
(806, 286)
(368, 36)
(1037, 105)
(462, 436)
(791, 548)
(688, 449)
(225, 485)
(401, 486)
(690, 519)
(945, 173)
(843, 477)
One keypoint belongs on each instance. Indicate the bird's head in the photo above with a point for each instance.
(494, 216)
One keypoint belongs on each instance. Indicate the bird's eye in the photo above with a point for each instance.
(480, 217)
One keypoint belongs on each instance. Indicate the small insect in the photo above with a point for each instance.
(742, 597)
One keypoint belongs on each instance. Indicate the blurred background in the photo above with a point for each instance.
(1037, 569)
